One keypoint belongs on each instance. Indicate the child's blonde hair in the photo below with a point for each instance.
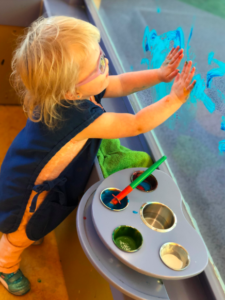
(45, 65)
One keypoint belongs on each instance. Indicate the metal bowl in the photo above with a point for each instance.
(127, 238)
(148, 185)
(174, 256)
(106, 196)
(158, 216)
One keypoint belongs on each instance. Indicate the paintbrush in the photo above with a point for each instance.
(136, 182)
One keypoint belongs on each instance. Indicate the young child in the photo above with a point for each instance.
(61, 73)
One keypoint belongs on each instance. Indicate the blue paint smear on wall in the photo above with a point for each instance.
(158, 9)
(159, 47)
(188, 45)
(223, 123)
(214, 72)
(222, 146)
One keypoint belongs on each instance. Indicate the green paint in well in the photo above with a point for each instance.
(126, 243)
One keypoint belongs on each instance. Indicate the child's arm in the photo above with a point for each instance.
(131, 82)
(117, 125)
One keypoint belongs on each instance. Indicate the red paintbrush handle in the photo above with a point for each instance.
(125, 192)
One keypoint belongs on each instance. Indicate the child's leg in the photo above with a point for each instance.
(13, 244)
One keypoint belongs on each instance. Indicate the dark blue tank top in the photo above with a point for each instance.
(30, 151)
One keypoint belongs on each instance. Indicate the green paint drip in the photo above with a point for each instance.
(126, 243)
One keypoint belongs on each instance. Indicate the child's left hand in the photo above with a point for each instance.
(168, 70)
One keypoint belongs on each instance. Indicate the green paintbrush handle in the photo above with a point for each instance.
(142, 177)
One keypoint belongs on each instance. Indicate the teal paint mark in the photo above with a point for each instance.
(223, 123)
(198, 92)
(220, 95)
(131, 68)
(135, 212)
(188, 44)
(158, 9)
(222, 146)
(190, 55)
(146, 61)
(214, 72)
(152, 41)
(210, 57)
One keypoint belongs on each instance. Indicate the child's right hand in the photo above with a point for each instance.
(181, 87)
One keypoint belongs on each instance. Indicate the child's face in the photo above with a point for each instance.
(96, 85)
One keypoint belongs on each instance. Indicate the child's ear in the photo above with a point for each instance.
(69, 96)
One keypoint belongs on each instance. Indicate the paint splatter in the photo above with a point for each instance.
(214, 72)
(223, 123)
(84, 218)
(222, 146)
(135, 212)
(198, 92)
(158, 9)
